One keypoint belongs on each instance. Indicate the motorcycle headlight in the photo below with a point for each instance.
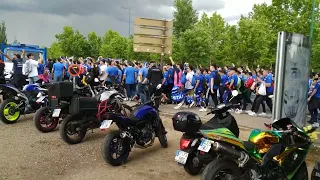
(39, 94)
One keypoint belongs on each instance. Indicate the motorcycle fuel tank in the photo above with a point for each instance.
(141, 111)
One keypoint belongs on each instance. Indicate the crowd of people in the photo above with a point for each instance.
(182, 84)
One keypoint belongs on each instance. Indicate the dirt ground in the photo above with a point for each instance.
(27, 154)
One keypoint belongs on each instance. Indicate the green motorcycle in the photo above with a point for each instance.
(277, 154)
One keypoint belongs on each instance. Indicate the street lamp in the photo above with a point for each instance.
(129, 14)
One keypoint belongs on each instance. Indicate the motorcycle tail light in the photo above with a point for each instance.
(184, 143)
(53, 97)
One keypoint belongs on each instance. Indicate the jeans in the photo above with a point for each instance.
(142, 92)
(131, 90)
(33, 80)
(58, 78)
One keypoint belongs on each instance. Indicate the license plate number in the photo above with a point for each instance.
(56, 113)
(105, 124)
(181, 157)
(40, 99)
(205, 146)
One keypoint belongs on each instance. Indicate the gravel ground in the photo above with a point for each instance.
(27, 154)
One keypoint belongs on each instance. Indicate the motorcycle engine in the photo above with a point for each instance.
(146, 136)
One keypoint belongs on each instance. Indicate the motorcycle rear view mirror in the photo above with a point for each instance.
(235, 93)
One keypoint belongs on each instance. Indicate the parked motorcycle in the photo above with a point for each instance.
(87, 113)
(47, 118)
(31, 98)
(190, 123)
(268, 155)
(138, 130)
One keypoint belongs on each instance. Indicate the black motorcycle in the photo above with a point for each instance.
(192, 159)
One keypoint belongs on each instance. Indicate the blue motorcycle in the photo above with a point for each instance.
(139, 130)
(17, 102)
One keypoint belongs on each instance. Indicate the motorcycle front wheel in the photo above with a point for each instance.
(302, 172)
(44, 121)
(71, 131)
(115, 150)
(221, 169)
(9, 111)
(162, 136)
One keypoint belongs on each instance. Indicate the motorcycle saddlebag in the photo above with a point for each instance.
(60, 90)
(315, 175)
(83, 105)
(186, 122)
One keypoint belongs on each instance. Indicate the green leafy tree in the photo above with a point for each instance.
(94, 43)
(184, 16)
(3, 34)
(114, 45)
(54, 51)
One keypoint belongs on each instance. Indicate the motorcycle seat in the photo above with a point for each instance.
(249, 145)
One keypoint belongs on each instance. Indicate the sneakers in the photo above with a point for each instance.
(248, 112)
(238, 111)
(202, 109)
(178, 106)
(190, 106)
(262, 114)
(253, 114)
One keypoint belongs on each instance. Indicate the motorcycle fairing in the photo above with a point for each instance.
(141, 111)
(223, 134)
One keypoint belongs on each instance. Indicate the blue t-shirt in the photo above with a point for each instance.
(87, 67)
(130, 72)
(143, 72)
(213, 75)
(317, 87)
(17, 66)
(207, 76)
(268, 80)
(66, 65)
(166, 76)
(112, 71)
(58, 69)
(200, 78)
(234, 77)
(254, 76)
(171, 75)
(40, 69)
(119, 76)
(224, 80)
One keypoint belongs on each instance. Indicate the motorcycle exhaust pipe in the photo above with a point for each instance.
(231, 152)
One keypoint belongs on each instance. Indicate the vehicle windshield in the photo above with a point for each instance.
(10, 53)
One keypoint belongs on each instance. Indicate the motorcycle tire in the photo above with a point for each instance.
(64, 130)
(219, 167)
(302, 172)
(41, 116)
(190, 167)
(162, 136)
(6, 116)
(106, 149)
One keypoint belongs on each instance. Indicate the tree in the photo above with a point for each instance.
(3, 34)
(94, 44)
(184, 16)
(114, 45)
(54, 51)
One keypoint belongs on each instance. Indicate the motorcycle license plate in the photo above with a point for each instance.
(105, 124)
(181, 157)
(56, 113)
(40, 99)
(205, 146)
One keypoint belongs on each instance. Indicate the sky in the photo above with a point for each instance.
(37, 21)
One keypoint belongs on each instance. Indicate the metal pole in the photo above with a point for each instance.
(163, 42)
(129, 32)
(312, 19)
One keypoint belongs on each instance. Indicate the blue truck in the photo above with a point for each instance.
(16, 48)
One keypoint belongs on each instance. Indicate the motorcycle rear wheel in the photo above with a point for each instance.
(302, 172)
(68, 129)
(107, 149)
(221, 168)
(9, 111)
(43, 116)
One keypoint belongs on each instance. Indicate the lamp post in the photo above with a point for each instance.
(312, 19)
(129, 14)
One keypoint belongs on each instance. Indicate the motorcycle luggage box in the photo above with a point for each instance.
(186, 122)
(60, 90)
(83, 105)
(228, 122)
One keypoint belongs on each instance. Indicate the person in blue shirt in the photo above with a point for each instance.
(58, 71)
(129, 80)
(199, 89)
(142, 88)
(112, 74)
(40, 67)
(213, 87)
(166, 90)
(314, 103)
(170, 80)
(222, 88)
(268, 81)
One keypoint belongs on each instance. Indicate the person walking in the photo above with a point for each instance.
(58, 71)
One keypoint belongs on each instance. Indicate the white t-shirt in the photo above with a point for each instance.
(189, 78)
(33, 65)
(103, 68)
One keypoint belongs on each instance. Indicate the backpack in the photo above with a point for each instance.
(204, 83)
(27, 68)
(194, 80)
(217, 80)
(183, 78)
(241, 87)
(249, 83)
